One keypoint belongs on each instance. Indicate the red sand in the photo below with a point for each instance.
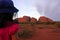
(44, 34)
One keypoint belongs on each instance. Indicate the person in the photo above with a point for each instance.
(7, 25)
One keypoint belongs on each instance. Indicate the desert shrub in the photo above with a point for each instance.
(23, 22)
(40, 27)
(26, 34)
(31, 23)
(53, 22)
(58, 25)
(56, 30)
(37, 22)
(49, 23)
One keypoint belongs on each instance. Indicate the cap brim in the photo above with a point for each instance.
(8, 10)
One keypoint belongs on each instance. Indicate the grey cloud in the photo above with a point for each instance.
(51, 8)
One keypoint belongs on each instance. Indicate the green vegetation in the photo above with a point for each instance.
(24, 23)
(56, 30)
(37, 22)
(40, 27)
(58, 25)
(25, 33)
(32, 23)
(48, 23)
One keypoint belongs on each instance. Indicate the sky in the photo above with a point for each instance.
(37, 8)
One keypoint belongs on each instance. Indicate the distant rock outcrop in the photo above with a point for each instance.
(20, 19)
(28, 19)
(45, 19)
(33, 19)
(24, 19)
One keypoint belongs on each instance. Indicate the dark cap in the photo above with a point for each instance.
(7, 6)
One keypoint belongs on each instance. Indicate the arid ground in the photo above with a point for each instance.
(38, 31)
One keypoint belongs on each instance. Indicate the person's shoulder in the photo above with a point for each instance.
(13, 28)
(14, 24)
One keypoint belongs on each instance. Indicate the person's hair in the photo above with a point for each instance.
(4, 17)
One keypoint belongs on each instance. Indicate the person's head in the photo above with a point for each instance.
(7, 11)
(6, 17)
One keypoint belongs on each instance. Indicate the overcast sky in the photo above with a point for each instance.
(37, 8)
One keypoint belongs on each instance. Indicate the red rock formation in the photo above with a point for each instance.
(33, 20)
(28, 19)
(20, 19)
(45, 19)
(24, 19)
